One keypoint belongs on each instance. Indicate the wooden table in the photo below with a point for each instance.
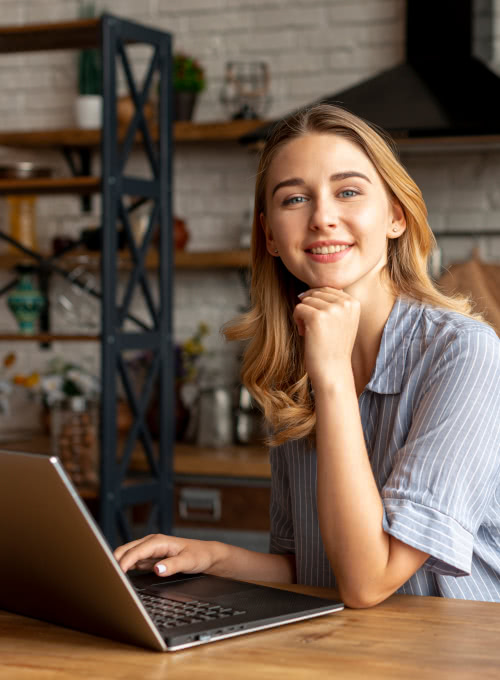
(405, 637)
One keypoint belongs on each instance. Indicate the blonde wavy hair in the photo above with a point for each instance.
(273, 368)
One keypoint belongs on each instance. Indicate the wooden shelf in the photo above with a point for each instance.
(230, 259)
(224, 131)
(237, 462)
(50, 185)
(224, 259)
(48, 337)
(63, 35)
(214, 131)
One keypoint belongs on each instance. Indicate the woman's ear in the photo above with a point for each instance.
(270, 244)
(398, 221)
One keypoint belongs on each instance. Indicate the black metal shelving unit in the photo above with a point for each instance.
(120, 490)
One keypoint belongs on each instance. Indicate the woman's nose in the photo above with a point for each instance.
(324, 215)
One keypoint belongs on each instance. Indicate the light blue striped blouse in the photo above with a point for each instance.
(431, 421)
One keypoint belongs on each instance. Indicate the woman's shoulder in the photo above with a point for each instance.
(448, 323)
(448, 334)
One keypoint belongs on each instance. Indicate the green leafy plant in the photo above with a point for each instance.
(189, 75)
(89, 61)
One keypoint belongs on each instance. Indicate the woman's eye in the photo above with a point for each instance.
(294, 200)
(348, 193)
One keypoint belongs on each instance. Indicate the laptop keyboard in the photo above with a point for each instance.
(167, 613)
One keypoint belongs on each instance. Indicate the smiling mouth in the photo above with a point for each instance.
(327, 250)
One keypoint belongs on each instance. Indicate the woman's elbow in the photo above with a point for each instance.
(358, 598)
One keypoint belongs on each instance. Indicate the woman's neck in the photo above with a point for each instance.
(375, 310)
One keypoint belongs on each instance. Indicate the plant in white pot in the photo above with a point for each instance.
(88, 105)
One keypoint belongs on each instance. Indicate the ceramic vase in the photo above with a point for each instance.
(26, 302)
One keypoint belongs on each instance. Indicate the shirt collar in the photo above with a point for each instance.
(398, 332)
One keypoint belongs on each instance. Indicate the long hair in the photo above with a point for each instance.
(273, 366)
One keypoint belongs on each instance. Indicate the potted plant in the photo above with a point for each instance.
(188, 82)
(88, 105)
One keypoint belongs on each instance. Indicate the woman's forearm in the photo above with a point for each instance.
(239, 563)
(349, 505)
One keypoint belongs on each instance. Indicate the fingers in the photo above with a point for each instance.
(122, 549)
(150, 549)
(184, 562)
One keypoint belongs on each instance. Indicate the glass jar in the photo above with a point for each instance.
(74, 435)
(22, 221)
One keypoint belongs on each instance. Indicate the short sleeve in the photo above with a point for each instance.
(445, 475)
(282, 534)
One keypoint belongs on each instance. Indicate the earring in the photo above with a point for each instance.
(275, 250)
(395, 229)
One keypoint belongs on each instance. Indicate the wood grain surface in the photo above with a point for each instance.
(405, 637)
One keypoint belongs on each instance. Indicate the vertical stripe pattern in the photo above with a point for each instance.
(431, 421)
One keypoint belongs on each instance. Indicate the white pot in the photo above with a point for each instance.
(88, 111)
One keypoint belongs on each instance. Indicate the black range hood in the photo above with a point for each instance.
(441, 90)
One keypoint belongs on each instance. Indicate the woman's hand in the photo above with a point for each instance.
(328, 319)
(167, 555)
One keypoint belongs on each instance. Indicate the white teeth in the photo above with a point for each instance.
(328, 250)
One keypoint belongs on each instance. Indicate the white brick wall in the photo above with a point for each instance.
(313, 47)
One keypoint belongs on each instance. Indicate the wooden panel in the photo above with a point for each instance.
(406, 637)
(222, 259)
(217, 131)
(231, 461)
(76, 34)
(48, 337)
(50, 185)
(92, 260)
(184, 131)
(245, 508)
(50, 138)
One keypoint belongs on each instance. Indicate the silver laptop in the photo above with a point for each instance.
(55, 565)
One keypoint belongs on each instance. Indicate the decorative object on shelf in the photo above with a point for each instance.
(76, 299)
(181, 233)
(22, 209)
(74, 437)
(88, 104)
(6, 383)
(25, 301)
(125, 110)
(187, 355)
(215, 417)
(188, 82)
(245, 92)
(69, 395)
(249, 423)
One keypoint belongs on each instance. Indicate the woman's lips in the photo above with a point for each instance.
(329, 257)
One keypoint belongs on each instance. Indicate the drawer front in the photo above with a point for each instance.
(220, 506)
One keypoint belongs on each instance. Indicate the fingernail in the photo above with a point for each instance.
(301, 295)
(161, 568)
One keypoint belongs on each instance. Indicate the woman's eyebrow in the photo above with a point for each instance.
(295, 181)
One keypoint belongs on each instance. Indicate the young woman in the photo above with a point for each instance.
(382, 394)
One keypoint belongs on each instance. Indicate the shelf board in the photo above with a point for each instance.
(237, 462)
(64, 35)
(224, 259)
(48, 337)
(215, 131)
(230, 259)
(459, 143)
(50, 185)
(184, 131)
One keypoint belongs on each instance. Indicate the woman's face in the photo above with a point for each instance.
(328, 213)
